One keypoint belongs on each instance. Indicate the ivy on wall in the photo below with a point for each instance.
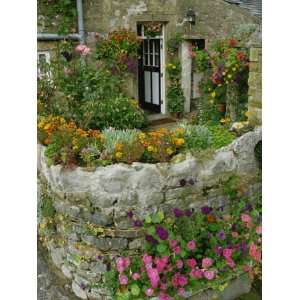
(59, 16)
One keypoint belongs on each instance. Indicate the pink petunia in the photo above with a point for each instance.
(181, 292)
(123, 279)
(209, 275)
(196, 273)
(149, 292)
(246, 218)
(163, 296)
(207, 262)
(191, 245)
(230, 262)
(258, 230)
(191, 262)
(161, 263)
(182, 280)
(179, 263)
(227, 253)
(173, 243)
(177, 249)
(136, 276)
(126, 262)
(153, 276)
(147, 259)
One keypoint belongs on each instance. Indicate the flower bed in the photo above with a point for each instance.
(193, 251)
(89, 217)
(69, 145)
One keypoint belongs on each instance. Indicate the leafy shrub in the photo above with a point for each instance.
(221, 136)
(196, 136)
(118, 112)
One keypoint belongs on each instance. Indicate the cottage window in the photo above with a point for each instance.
(43, 64)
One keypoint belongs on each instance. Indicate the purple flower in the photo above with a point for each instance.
(221, 235)
(178, 212)
(150, 239)
(130, 214)
(137, 223)
(188, 212)
(162, 233)
(206, 210)
(219, 250)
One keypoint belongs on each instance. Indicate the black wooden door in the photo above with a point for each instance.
(149, 75)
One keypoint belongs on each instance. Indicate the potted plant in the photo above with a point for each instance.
(152, 29)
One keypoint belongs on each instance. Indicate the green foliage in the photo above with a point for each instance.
(174, 43)
(196, 136)
(119, 112)
(46, 208)
(175, 98)
(202, 60)
(61, 15)
(220, 136)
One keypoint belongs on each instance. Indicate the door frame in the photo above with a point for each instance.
(162, 67)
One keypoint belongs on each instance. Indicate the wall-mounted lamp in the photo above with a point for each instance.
(191, 16)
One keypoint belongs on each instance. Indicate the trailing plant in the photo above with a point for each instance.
(174, 43)
(152, 29)
(119, 51)
(190, 252)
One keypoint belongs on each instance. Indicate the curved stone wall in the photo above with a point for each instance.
(90, 224)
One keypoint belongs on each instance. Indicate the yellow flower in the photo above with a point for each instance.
(169, 151)
(229, 75)
(150, 148)
(179, 130)
(222, 121)
(179, 142)
(211, 101)
(234, 69)
(119, 155)
(118, 147)
(47, 126)
(213, 94)
(174, 67)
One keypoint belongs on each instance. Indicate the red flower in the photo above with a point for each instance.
(232, 42)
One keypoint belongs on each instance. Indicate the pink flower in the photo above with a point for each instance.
(207, 262)
(227, 252)
(83, 49)
(196, 273)
(191, 262)
(153, 276)
(182, 280)
(246, 218)
(191, 245)
(163, 296)
(163, 286)
(173, 243)
(126, 262)
(123, 279)
(161, 263)
(136, 276)
(179, 264)
(181, 291)
(177, 249)
(258, 230)
(149, 292)
(230, 262)
(209, 275)
(254, 252)
(147, 259)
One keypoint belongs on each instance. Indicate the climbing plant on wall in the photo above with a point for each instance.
(226, 66)
(174, 93)
(57, 15)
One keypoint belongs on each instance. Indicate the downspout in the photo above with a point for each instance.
(77, 36)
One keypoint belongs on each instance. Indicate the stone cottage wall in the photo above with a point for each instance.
(90, 225)
(255, 86)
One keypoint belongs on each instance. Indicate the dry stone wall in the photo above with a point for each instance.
(90, 224)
